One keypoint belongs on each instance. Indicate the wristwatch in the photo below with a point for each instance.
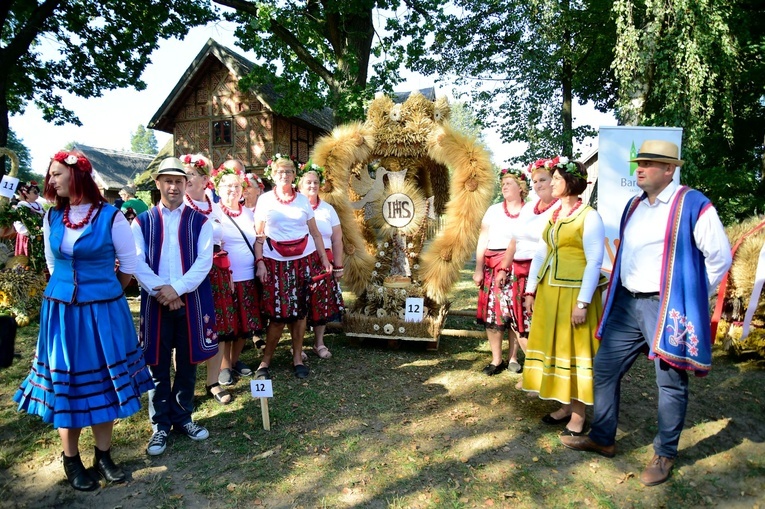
(581, 305)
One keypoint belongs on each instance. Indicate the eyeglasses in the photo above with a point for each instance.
(284, 172)
(230, 186)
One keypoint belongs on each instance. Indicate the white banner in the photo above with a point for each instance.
(616, 175)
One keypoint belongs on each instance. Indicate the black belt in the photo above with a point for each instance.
(640, 295)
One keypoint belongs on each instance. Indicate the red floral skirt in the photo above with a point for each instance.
(326, 299)
(248, 318)
(286, 292)
(519, 318)
(493, 302)
(220, 280)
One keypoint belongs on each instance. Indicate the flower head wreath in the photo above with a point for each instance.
(311, 166)
(512, 172)
(224, 170)
(268, 172)
(563, 163)
(252, 180)
(195, 161)
(78, 162)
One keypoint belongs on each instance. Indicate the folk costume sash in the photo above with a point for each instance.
(199, 306)
(683, 335)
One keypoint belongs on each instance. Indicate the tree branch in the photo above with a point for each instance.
(20, 44)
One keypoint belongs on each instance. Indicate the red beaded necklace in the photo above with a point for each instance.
(507, 212)
(75, 226)
(230, 212)
(318, 201)
(287, 201)
(194, 205)
(538, 210)
(556, 213)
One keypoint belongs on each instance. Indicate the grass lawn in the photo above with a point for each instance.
(403, 428)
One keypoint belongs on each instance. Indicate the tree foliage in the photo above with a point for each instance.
(143, 141)
(698, 64)
(526, 63)
(82, 47)
(26, 173)
(319, 53)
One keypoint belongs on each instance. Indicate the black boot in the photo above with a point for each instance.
(76, 474)
(106, 467)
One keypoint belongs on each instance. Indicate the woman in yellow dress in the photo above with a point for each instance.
(564, 283)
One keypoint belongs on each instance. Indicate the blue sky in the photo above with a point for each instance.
(108, 121)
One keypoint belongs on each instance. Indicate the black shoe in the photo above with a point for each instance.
(301, 371)
(491, 369)
(263, 374)
(568, 432)
(549, 419)
(104, 465)
(76, 474)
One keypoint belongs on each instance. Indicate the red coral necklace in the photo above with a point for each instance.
(557, 211)
(507, 212)
(538, 210)
(230, 212)
(288, 200)
(75, 226)
(194, 205)
(318, 201)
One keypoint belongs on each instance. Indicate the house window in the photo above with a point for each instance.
(221, 134)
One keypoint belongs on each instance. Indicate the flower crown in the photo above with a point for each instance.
(252, 180)
(518, 174)
(222, 171)
(563, 163)
(195, 161)
(311, 166)
(268, 172)
(75, 161)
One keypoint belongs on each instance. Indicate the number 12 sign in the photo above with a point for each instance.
(415, 309)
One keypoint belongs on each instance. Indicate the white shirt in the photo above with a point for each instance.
(593, 243)
(285, 222)
(170, 270)
(326, 219)
(122, 240)
(500, 227)
(528, 230)
(204, 206)
(642, 246)
(240, 252)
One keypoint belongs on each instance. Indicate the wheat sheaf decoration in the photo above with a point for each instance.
(10, 154)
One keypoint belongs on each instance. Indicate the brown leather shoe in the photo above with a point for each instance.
(657, 471)
(585, 443)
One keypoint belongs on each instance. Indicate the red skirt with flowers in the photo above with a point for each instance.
(220, 280)
(326, 299)
(519, 318)
(248, 320)
(286, 291)
(493, 301)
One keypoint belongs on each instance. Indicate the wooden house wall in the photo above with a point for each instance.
(257, 133)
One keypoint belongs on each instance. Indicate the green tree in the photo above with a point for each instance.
(91, 46)
(698, 64)
(143, 141)
(318, 53)
(26, 173)
(525, 64)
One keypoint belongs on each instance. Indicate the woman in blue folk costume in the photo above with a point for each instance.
(88, 368)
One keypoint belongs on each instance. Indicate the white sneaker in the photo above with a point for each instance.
(194, 431)
(157, 444)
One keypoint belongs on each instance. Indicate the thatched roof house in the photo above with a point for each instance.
(114, 169)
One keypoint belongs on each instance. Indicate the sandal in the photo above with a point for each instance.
(222, 396)
(322, 352)
(302, 355)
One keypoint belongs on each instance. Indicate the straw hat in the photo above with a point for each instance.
(658, 150)
(169, 166)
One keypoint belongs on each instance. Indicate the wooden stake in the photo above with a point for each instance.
(264, 413)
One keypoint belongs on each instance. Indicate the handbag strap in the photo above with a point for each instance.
(243, 235)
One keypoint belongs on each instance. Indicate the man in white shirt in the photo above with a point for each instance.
(673, 254)
(175, 249)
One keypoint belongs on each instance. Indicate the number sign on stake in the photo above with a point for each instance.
(263, 390)
(415, 309)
